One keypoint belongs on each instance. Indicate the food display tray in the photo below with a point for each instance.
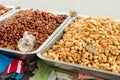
(7, 13)
(14, 53)
(70, 66)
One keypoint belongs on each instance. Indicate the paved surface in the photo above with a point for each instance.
(109, 8)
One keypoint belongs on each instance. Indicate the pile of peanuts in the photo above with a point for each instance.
(3, 9)
(103, 34)
(38, 23)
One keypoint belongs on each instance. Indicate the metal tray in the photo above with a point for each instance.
(7, 13)
(74, 67)
(14, 53)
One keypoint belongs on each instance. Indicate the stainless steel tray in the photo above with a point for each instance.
(7, 13)
(17, 53)
(70, 66)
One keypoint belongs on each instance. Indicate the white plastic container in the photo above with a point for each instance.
(7, 13)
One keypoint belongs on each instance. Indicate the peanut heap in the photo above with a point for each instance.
(103, 34)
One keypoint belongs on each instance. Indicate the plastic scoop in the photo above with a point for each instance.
(91, 49)
(26, 43)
